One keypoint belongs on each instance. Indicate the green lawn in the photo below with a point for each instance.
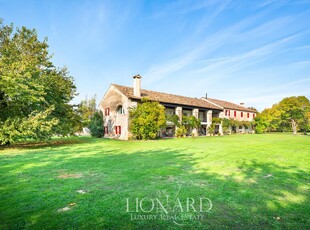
(253, 181)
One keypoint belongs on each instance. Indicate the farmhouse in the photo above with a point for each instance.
(117, 101)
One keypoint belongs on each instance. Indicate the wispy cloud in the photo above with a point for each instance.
(183, 7)
(224, 67)
(268, 3)
(209, 18)
(214, 42)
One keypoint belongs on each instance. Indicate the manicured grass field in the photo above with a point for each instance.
(253, 181)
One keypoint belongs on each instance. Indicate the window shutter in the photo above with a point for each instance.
(235, 113)
(248, 115)
(241, 114)
(118, 130)
(107, 111)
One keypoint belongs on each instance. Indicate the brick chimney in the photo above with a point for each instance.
(137, 85)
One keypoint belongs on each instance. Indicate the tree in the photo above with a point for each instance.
(194, 123)
(185, 125)
(289, 114)
(96, 124)
(147, 119)
(87, 108)
(294, 112)
(34, 94)
(174, 119)
(226, 124)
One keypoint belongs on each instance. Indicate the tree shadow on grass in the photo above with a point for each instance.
(251, 195)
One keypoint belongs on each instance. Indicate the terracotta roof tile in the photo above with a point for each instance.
(167, 98)
(229, 105)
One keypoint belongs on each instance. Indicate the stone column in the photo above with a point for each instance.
(221, 115)
(195, 114)
(209, 120)
(209, 117)
(178, 112)
(221, 129)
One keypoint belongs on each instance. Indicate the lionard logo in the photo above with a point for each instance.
(168, 208)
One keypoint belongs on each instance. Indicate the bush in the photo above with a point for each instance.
(181, 131)
(96, 125)
(146, 120)
(211, 129)
(259, 129)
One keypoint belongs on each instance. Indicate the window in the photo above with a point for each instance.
(170, 111)
(120, 110)
(106, 131)
(253, 115)
(241, 114)
(248, 115)
(235, 113)
(187, 113)
(118, 130)
(107, 112)
(240, 127)
(201, 116)
(228, 112)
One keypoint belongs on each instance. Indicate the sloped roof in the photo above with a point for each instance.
(230, 105)
(167, 98)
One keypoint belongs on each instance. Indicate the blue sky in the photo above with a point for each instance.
(256, 52)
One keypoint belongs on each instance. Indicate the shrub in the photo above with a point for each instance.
(96, 125)
(181, 131)
(211, 129)
(147, 119)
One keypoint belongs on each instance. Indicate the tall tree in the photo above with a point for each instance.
(34, 94)
(294, 112)
(147, 119)
(87, 109)
(96, 124)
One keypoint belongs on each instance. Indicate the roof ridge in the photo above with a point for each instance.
(162, 92)
(239, 107)
(180, 99)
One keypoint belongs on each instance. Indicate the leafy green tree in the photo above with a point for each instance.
(294, 112)
(87, 109)
(226, 124)
(289, 114)
(185, 125)
(96, 124)
(194, 123)
(211, 129)
(174, 119)
(261, 125)
(34, 94)
(267, 121)
(147, 119)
